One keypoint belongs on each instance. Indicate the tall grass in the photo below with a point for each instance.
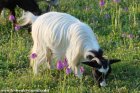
(117, 27)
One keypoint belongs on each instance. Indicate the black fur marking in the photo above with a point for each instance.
(27, 5)
(89, 57)
(99, 77)
(105, 63)
(98, 53)
(112, 61)
(93, 64)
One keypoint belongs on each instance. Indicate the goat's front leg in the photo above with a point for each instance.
(75, 66)
(49, 59)
(78, 72)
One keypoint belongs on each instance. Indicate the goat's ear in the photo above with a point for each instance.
(111, 61)
(93, 64)
(93, 53)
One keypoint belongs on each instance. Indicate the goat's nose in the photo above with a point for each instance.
(103, 83)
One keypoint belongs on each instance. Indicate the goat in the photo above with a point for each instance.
(60, 35)
(27, 5)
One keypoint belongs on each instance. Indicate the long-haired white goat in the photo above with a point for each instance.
(60, 35)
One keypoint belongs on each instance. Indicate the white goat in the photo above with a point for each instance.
(63, 35)
(60, 35)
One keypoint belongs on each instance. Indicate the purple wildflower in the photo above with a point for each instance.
(33, 55)
(82, 69)
(68, 70)
(11, 18)
(60, 65)
(102, 3)
(65, 63)
(116, 1)
(17, 27)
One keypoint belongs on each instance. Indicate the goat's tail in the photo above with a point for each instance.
(27, 18)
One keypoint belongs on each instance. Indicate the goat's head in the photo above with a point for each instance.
(101, 66)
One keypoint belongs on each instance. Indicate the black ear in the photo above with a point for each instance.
(93, 64)
(111, 61)
(98, 53)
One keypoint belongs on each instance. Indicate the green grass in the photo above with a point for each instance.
(15, 72)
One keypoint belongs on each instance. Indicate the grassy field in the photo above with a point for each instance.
(117, 27)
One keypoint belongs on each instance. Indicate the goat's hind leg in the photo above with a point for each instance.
(37, 58)
(49, 59)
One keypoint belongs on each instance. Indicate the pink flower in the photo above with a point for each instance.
(33, 55)
(68, 71)
(60, 65)
(82, 69)
(65, 63)
(17, 27)
(102, 3)
(11, 18)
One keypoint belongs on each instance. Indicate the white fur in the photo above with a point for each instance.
(89, 53)
(103, 70)
(27, 18)
(103, 83)
(97, 60)
(64, 36)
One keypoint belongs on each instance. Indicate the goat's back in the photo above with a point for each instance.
(59, 31)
